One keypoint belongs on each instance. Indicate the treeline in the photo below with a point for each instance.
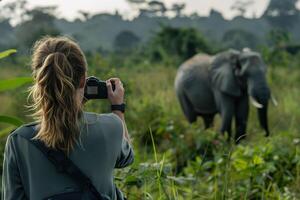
(162, 30)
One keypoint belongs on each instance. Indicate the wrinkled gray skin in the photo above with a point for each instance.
(206, 85)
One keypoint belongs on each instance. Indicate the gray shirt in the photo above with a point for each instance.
(27, 173)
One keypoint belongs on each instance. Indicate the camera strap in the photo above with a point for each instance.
(61, 162)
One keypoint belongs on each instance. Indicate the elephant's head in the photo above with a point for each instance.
(236, 73)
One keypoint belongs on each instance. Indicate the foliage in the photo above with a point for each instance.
(155, 8)
(178, 8)
(10, 120)
(7, 53)
(41, 23)
(11, 84)
(242, 6)
(279, 38)
(280, 50)
(239, 39)
(177, 43)
(282, 14)
(14, 83)
(98, 27)
(176, 160)
(126, 41)
(15, 9)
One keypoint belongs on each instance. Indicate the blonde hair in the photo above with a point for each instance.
(58, 65)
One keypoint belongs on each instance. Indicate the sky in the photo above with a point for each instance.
(69, 8)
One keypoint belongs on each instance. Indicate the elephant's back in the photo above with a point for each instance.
(195, 67)
(199, 62)
(193, 80)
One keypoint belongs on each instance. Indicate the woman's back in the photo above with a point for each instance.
(99, 150)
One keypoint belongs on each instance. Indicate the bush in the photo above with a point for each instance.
(178, 43)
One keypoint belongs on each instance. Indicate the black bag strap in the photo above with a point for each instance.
(61, 162)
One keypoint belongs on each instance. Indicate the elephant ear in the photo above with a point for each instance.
(223, 72)
(252, 61)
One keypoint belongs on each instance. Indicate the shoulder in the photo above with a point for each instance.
(13, 139)
(23, 130)
(109, 122)
(113, 118)
(91, 117)
(19, 134)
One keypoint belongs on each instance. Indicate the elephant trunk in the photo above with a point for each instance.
(260, 99)
(263, 118)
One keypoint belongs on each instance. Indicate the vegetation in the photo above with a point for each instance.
(125, 41)
(173, 159)
(176, 160)
(240, 39)
(177, 43)
(10, 84)
(282, 14)
(30, 23)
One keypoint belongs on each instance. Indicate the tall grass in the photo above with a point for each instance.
(176, 160)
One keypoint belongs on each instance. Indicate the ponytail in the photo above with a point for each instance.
(58, 65)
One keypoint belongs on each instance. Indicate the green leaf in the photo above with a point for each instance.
(14, 83)
(11, 120)
(6, 53)
(240, 164)
(257, 160)
(6, 131)
(133, 180)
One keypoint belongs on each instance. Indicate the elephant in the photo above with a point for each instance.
(224, 83)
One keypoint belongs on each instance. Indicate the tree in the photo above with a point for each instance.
(137, 4)
(14, 11)
(136, 1)
(242, 6)
(6, 35)
(214, 14)
(10, 84)
(178, 8)
(239, 39)
(277, 52)
(282, 14)
(279, 38)
(182, 43)
(194, 16)
(149, 8)
(158, 7)
(85, 15)
(126, 41)
(40, 22)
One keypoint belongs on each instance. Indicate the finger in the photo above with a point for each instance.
(109, 88)
(117, 84)
(116, 81)
(84, 100)
(121, 85)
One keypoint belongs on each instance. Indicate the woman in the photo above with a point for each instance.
(96, 143)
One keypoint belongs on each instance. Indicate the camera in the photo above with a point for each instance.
(95, 88)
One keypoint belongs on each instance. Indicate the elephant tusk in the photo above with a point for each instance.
(246, 49)
(274, 101)
(255, 103)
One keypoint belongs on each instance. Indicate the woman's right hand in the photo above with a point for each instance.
(116, 97)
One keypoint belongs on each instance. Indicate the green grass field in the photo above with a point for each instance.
(176, 160)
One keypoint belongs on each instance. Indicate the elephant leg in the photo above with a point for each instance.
(208, 120)
(187, 108)
(226, 123)
(226, 108)
(241, 118)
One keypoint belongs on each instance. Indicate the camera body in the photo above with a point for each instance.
(95, 88)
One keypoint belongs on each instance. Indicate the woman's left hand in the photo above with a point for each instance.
(116, 97)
